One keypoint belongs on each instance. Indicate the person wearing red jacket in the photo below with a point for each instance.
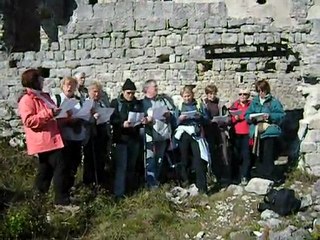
(37, 112)
(241, 128)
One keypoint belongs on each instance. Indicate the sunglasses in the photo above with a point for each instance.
(130, 93)
(243, 94)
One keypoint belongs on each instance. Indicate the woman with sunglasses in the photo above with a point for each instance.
(264, 115)
(241, 128)
(126, 139)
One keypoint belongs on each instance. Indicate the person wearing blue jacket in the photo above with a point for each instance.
(265, 114)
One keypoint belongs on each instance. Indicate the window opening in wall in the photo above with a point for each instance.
(203, 66)
(92, 2)
(44, 72)
(240, 79)
(219, 51)
(311, 80)
(269, 67)
(13, 63)
(261, 1)
(163, 58)
(290, 68)
(242, 68)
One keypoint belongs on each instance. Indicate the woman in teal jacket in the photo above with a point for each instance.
(264, 127)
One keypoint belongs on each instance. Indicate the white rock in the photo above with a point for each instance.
(259, 186)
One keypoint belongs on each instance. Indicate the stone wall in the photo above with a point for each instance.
(309, 132)
(177, 43)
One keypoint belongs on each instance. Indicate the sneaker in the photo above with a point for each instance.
(67, 208)
(244, 181)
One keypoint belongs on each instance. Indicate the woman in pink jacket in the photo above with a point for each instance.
(37, 112)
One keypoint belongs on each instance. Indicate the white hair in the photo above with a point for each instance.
(79, 74)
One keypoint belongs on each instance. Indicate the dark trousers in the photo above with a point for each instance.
(265, 163)
(186, 143)
(126, 156)
(52, 166)
(72, 154)
(243, 154)
(95, 157)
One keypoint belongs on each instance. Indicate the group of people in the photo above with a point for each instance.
(204, 135)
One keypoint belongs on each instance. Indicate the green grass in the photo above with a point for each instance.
(145, 215)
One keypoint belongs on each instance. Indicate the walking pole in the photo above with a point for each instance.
(144, 153)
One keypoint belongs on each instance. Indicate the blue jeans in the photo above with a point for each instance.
(126, 155)
(154, 162)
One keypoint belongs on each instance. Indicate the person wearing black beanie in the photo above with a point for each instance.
(126, 139)
(129, 85)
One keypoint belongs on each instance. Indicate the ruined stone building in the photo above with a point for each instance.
(231, 43)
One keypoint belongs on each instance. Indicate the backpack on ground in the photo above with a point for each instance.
(281, 201)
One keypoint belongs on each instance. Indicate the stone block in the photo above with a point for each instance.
(251, 28)
(106, 42)
(4, 92)
(60, 73)
(213, 22)
(187, 75)
(312, 159)
(123, 9)
(88, 44)
(143, 9)
(178, 23)
(49, 64)
(197, 54)
(200, 10)
(71, 64)
(118, 53)
(163, 51)
(133, 53)
(54, 46)
(156, 74)
(248, 39)
(100, 53)
(236, 22)
(30, 55)
(173, 40)
(163, 9)
(218, 8)
(182, 50)
(84, 12)
(82, 54)
(251, 66)
(308, 147)
(103, 11)
(313, 136)
(178, 66)
(195, 23)
(69, 55)
(212, 38)
(123, 24)
(229, 38)
(58, 56)
(139, 42)
(155, 41)
(153, 24)
(188, 39)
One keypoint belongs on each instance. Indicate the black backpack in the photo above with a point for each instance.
(281, 201)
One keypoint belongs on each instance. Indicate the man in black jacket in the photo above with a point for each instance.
(126, 138)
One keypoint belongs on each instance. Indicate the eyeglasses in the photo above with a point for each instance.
(260, 90)
(130, 93)
(243, 94)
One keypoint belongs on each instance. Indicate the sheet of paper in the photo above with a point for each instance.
(235, 112)
(135, 118)
(220, 119)
(190, 114)
(85, 111)
(157, 113)
(65, 106)
(257, 116)
(104, 115)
